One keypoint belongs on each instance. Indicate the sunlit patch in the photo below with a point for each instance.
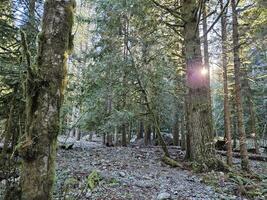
(204, 71)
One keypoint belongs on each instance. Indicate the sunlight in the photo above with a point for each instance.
(204, 71)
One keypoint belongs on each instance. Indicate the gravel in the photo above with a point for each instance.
(127, 173)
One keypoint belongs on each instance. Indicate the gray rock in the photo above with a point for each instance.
(122, 174)
(88, 194)
(164, 196)
(144, 184)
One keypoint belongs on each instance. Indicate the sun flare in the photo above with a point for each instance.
(204, 71)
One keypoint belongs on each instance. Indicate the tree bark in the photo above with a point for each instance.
(238, 97)
(175, 130)
(45, 89)
(148, 135)
(104, 139)
(73, 114)
(252, 113)
(227, 121)
(124, 84)
(124, 135)
(77, 134)
(200, 147)
(154, 136)
(140, 133)
(183, 134)
(206, 57)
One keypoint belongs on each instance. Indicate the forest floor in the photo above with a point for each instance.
(118, 173)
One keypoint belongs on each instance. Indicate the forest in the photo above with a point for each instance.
(133, 99)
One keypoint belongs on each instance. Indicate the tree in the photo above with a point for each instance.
(200, 146)
(206, 54)
(227, 120)
(44, 90)
(238, 97)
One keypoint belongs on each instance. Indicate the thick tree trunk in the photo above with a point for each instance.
(44, 98)
(238, 97)
(200, 147)
(227, 121)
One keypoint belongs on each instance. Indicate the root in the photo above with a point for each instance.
(171, 162)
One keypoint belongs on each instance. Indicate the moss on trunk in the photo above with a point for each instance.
(199, 126)
(45, 87)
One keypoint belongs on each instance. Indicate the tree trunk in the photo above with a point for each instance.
(140, 133)
(175, 130)
(227, 121)
(77, 134)
(104, 139)
(130, 132)
(72, 131)
(252, 113)
(125, 57)
(148, 135)
(183, 134)
(200, 147)
(109, 140)
(238, 97)
(206, 57)
(45, 88)
(235, 128)
(124, 135)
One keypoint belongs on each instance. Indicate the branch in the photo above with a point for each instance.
(217, 19)
(173, 12)
(26, 51)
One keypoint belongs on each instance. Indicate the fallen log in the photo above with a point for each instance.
(250, 156)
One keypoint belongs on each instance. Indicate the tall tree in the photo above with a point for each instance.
(227, 121)
(45, 87)
(206, 53)
(200, 146)
(238, 97)
(251, 107)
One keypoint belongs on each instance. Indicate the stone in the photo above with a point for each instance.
(122, 174)
(164, 196)
(144, 184)
(88, 194)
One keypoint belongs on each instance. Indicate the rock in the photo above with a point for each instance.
(134, 138)
(122, 174)
(164, 196)
(3, 182)
(144, 184)
(88, 194)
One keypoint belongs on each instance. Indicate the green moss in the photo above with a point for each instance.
(169, 161)
(113, 182)
(93, 179)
